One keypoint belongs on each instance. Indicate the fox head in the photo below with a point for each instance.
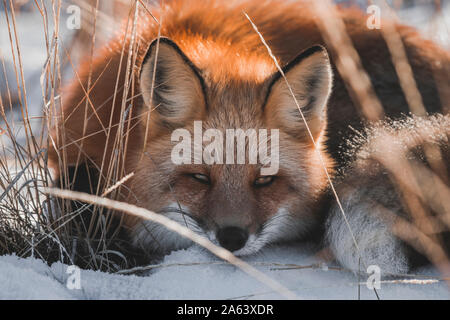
(232, 203)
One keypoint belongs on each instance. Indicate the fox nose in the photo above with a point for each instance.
(232, 238)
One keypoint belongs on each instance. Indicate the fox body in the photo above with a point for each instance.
(378, 208)
(209, 65)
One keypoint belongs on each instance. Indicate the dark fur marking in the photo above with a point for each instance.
(159, 76)
(277, 75)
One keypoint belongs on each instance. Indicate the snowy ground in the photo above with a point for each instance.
(32, 279)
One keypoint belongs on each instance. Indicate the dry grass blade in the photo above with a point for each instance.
(148, 11)
(438, 179)
(19, 175)
(317, 149)
(176, 227)
(348, 62)
(349, 66)
(147, 124)
(116, 185)
(408, 83)
(272, 265)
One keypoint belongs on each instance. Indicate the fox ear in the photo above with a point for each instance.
(174, 89)
(310, 77)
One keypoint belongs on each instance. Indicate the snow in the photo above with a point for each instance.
(208, 278)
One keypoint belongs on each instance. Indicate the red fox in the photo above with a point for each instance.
(210, 69)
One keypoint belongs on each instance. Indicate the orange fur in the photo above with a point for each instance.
(236, 71)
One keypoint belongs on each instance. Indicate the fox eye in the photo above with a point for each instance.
(201, 178)
(264, 181)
